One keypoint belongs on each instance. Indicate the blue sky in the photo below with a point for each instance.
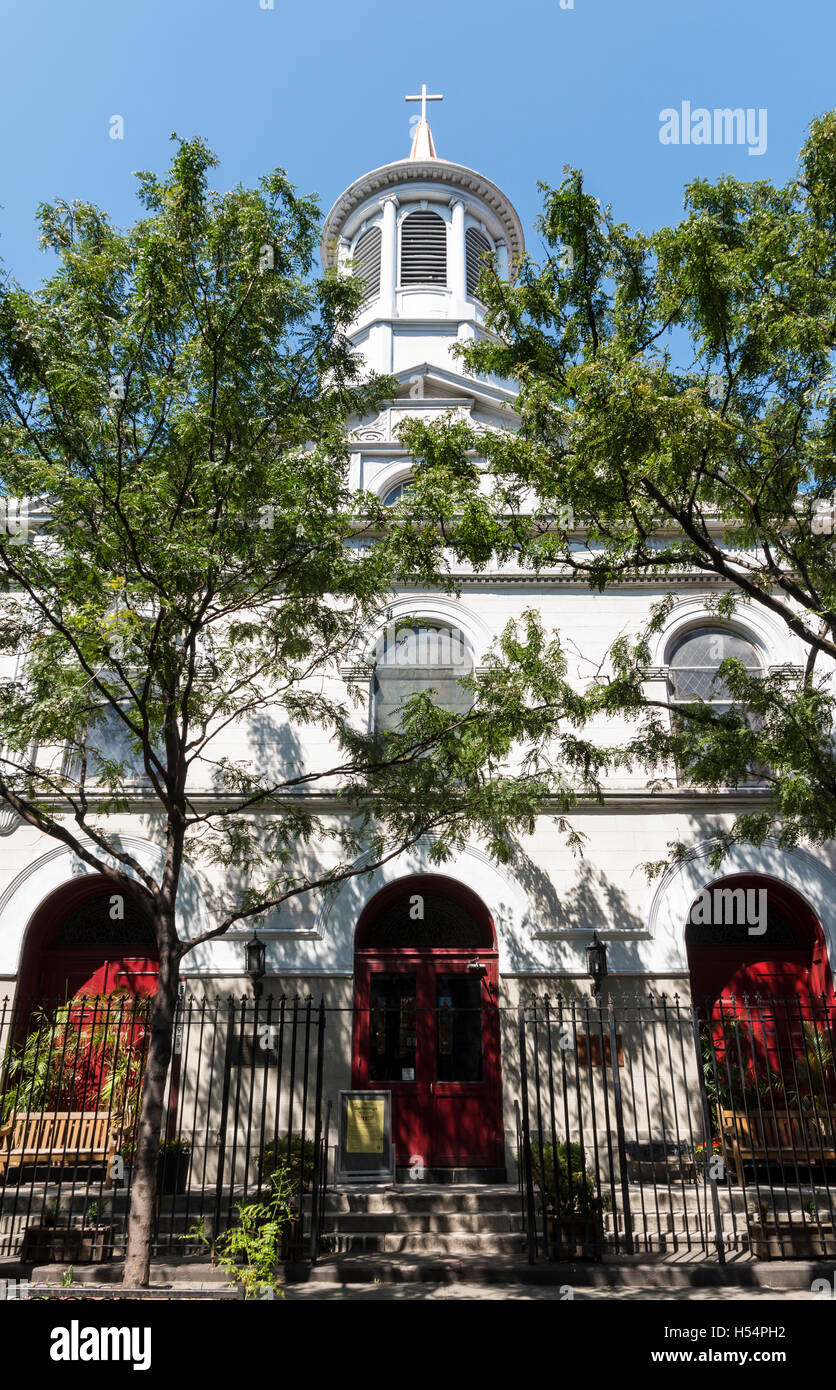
(319, 89)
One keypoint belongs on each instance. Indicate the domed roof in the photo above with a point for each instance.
(422, 166)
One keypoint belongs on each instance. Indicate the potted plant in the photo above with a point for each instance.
(573, 1210)
(51, 1243)
(294, 1159)
(705, 1155)
(95, 1239)
(173, 1164)
(772, 1238)
(88, 1054)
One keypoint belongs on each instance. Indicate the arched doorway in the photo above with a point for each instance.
(733, 951)
(426, 1022)
(759, 971)
(88, 939)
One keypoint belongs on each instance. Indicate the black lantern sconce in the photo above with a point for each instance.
(256, 963)
(596, 963)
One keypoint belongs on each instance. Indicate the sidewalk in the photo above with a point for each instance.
(414, 1276)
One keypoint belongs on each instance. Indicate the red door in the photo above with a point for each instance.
(426, 1027)
(70, 974)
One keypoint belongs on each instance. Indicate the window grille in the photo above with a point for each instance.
(416, 658)
(424, 249)
(367, 263)
(477, 247)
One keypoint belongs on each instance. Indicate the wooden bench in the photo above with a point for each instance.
(789, 1137)
(60, 1139)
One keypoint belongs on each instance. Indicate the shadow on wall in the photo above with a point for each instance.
(275, 751)
(594, 903)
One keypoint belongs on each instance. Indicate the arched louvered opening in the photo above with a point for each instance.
(424, 249)
(367, 262)
(477, 247)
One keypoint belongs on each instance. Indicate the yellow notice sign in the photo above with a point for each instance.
(364, 1125)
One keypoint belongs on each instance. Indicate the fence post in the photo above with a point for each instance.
(531, 1230)
(315, 1194)
(706, 1120)
(619, 1123)
(219, 1185)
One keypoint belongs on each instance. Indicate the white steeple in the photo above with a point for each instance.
(416, 232)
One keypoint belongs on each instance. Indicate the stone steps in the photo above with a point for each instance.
(413, 1223)
(425, 1243)
(423, 1199)
(440, 1221)
(434, 1220)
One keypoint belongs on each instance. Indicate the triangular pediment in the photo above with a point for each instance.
(430, 391)
(439, 383)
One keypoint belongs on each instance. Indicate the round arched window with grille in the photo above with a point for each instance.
(417, 657)
(695, 660)
(396, 492)
(694, 675)
(423, 249)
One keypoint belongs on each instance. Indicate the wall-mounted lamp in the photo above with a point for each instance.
(596, 963)
(256, 962)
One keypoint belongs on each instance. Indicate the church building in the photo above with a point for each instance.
(424, 967)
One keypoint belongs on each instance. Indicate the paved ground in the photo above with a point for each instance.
(520, 1293)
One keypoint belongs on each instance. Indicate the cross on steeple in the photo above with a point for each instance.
(424, 97)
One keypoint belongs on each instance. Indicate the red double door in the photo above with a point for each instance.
(426, 1028)
(69, 974)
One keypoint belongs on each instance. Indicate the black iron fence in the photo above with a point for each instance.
(656, 1126)
(244, 1104)
(644, 1126)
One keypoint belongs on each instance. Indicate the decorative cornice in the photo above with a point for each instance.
(421, 171)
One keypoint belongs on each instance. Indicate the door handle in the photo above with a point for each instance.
(431, 1087)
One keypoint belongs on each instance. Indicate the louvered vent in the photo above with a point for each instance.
(367, 263)
(424, 249)
(477, 247)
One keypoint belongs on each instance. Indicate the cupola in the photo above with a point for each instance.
(416, 232)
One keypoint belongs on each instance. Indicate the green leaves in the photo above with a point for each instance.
(678, 422)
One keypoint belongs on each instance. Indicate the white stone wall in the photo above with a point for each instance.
(548, 902)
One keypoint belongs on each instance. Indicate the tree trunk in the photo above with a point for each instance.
(144, 1183)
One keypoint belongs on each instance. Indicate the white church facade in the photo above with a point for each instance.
(415, 231)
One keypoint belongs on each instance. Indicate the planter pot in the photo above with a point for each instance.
(292, 1239)
(772, 1241)
(580, 1237)
(173, 1173)
(66, 1245)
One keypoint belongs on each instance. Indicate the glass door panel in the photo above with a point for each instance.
(393, 1032)
(458, 1027)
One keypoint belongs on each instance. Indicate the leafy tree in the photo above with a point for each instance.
(678, 417)
(175, 402)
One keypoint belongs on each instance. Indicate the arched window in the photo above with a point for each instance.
(693, 675)
(419, 657)
(367, 263)
(424, 249)
(694, 663)
(396, 492)
(477, 247)
(108, 740)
